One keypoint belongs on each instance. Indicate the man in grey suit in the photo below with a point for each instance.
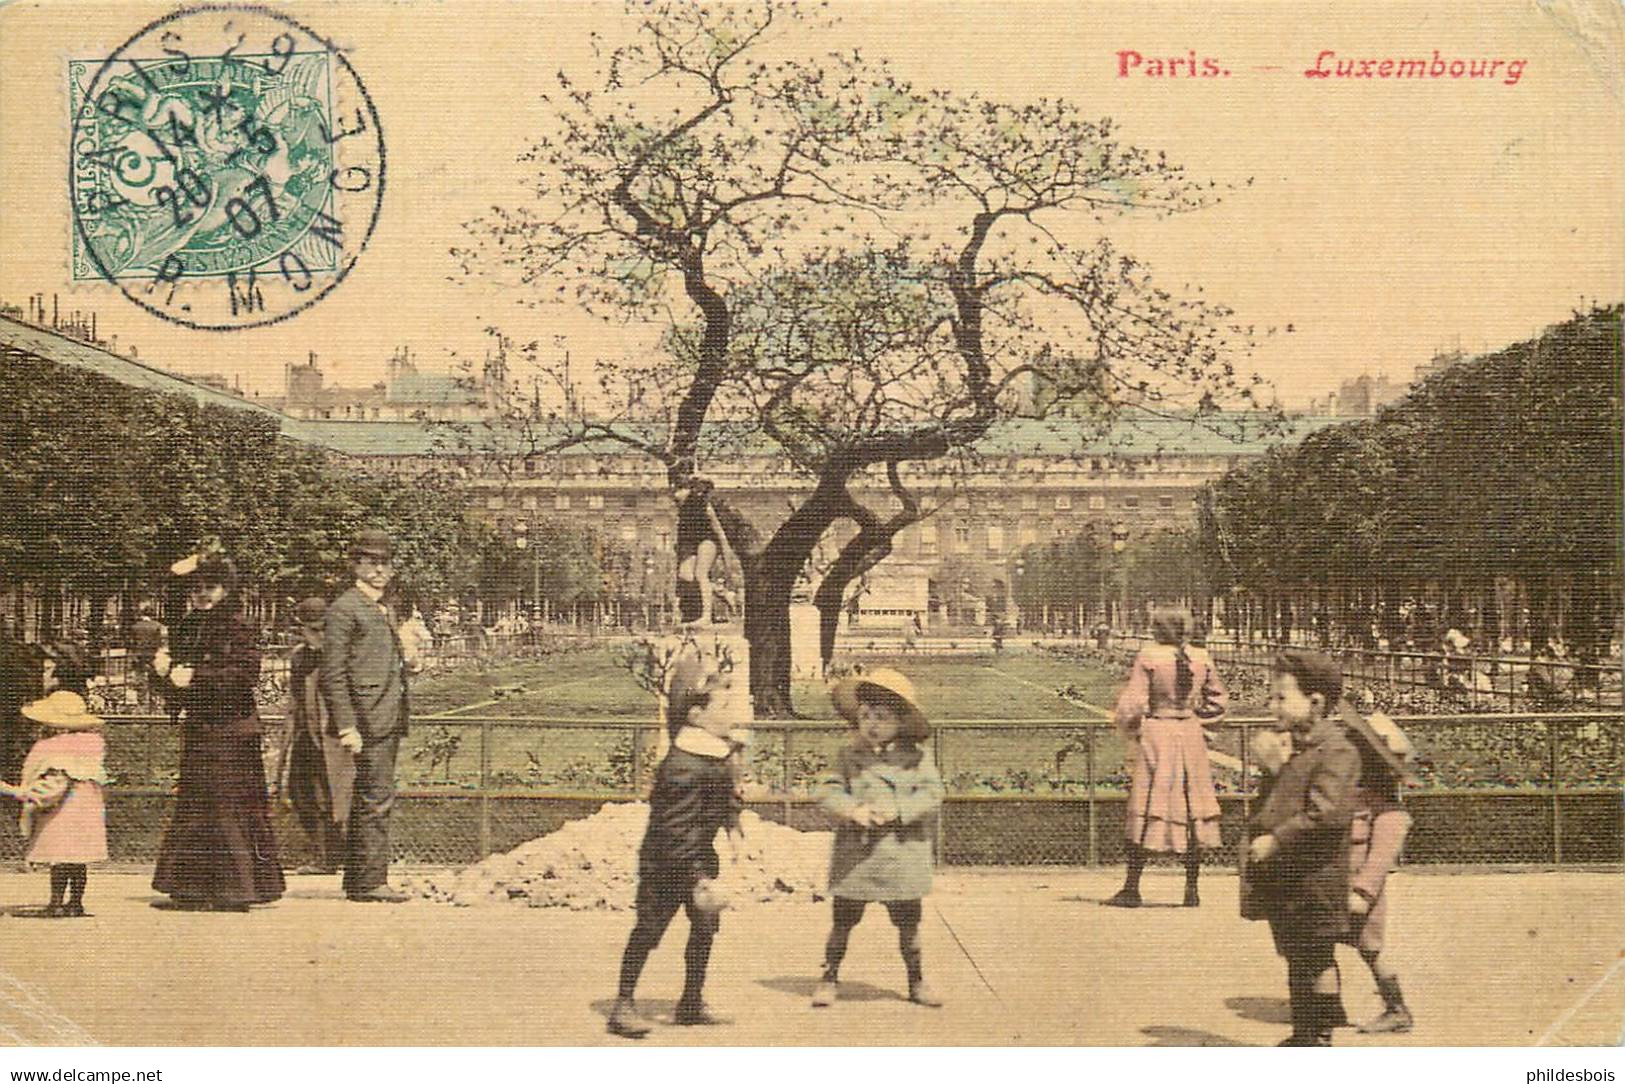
(363, 680)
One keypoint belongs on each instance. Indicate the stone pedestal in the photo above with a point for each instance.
(806, 662)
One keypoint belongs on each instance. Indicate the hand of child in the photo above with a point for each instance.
(879, 816)
(180, 676)
(1263, 848)
(350, 740)
(864, 816)
(1358, 904)
(161, 662)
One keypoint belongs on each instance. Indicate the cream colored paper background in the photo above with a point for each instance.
(1387, 219)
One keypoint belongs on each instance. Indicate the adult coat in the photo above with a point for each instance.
(219, 847)
(363, 669)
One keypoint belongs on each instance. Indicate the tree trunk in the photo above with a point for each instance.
(767, 630)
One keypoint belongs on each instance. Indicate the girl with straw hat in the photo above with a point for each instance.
(884, 792)
(64, 815)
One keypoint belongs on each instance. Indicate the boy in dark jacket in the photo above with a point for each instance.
(1299, 854)
(694, 795)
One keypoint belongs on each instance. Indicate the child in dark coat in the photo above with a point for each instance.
(1298, 859)
(694, 795)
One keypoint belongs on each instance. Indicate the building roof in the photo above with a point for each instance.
(47, 344)
(1135, 433)
(429, 389)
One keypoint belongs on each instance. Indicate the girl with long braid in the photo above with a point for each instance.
(1173, 689)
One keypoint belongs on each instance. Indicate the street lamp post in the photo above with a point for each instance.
(1015, 606)
(648, 569)
(1119, 544)
(522, 543)
(964, 592)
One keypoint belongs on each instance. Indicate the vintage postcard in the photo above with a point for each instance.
(865, 523)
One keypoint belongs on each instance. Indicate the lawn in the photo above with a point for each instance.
(1005, 691)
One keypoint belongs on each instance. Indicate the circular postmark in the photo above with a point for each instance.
(226, 167)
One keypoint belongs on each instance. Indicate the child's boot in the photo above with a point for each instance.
(1129, 894)
(1325, 1013)
(919, 991)
(75, 907)
(625, 1021)
(827, 990)
(59, 888)
(1395, 1016)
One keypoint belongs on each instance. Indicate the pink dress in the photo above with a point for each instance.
(63, 810)
(1171, 788)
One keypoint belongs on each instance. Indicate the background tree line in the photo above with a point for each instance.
(103, 486)
(1493, 487)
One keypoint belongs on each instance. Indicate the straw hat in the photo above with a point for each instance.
(844, 695)
(1383, 737)
(61, 710)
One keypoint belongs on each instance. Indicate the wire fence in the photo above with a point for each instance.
(1496, 788)
(1472, 682)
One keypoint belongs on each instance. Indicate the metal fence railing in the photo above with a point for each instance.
(1498, 682)
(1496, 788)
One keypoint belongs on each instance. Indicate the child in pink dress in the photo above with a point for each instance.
(63, 814)
(1173, 689)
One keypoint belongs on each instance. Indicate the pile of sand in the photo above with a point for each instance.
(592, 864)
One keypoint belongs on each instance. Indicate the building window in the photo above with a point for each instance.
(962, 539)
(595, 501)
(530, 466)
(528, 502)
(1029, 502)
(561, 502)
(1096, 503)
(494, 504)
(961, 501)
(1026, 535)
(1063, 502)
(928, 538)
(629, 533)
(1165, 502)
(1131, 502)
(1094, 466)
(995, 538)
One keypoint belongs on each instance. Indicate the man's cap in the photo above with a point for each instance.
(1315, 673)
(372, 543)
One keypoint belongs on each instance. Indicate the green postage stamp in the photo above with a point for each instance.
(213, 156)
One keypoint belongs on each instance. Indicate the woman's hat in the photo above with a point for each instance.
(211, 567)
(844, 695)
(311, 612)
(61, 710)
(1383, 737)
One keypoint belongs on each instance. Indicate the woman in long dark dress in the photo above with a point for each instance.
(218, 852)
